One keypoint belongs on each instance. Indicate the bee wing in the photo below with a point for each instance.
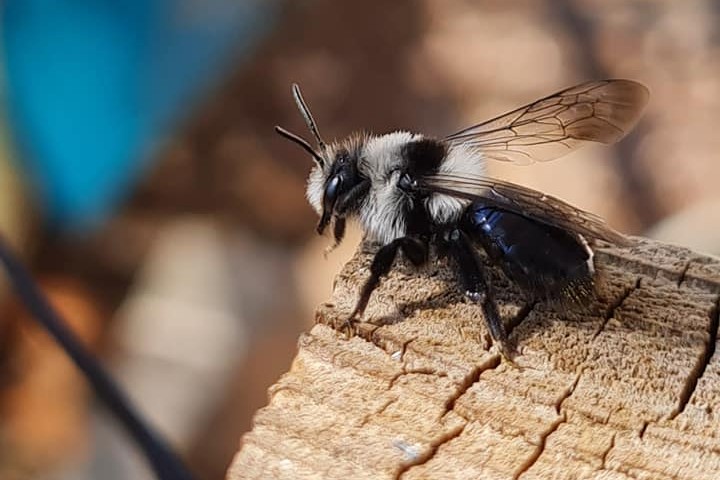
(524, 201)
(602, 111)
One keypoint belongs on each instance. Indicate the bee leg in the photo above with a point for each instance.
(414, 249)
(478, 288)
(338, 235)
(346, 203)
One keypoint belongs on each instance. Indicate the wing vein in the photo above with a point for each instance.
(602, 111)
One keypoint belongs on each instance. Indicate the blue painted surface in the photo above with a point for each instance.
(92, 84)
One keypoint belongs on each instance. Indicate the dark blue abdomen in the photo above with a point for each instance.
(544, 260)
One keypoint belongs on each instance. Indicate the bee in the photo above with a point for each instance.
(413, 193)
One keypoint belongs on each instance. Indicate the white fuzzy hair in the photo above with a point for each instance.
(382, 213)
(316, 186)
(464, 162)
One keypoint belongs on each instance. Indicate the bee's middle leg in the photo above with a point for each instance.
(477, 287)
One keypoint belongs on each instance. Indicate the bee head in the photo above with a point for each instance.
(334, 173)
(333, 190)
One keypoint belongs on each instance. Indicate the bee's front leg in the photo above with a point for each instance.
(415, 249)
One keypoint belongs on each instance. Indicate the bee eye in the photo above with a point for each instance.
(331, 191)
(332, 187)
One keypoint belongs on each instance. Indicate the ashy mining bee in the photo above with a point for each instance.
(410, 192)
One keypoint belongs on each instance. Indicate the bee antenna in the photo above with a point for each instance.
(302, 106)
(303, 143)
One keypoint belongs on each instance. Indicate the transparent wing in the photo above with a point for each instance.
(524, 201)
(602, 111)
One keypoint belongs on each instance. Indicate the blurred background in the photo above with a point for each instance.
(141, 180)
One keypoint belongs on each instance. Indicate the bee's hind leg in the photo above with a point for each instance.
(415, 249)
(478, 288)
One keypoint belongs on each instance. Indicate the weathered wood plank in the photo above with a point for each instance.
(628, 388)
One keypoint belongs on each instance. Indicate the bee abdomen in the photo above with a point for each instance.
(545, 261)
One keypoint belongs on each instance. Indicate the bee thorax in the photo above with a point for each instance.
(383, 213)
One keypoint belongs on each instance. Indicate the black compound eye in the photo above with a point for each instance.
(331, 193)
(331, 190)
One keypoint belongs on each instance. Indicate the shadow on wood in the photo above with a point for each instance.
(627, 388)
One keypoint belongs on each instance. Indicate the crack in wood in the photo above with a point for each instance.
(541, 447)
(403, 349)
(607, 256)
(417, 371)
(472, 379)
(607, 452)
(699, 370)
(394, 380)
(377, 412)
(568, 394)
(616, 305)
(562, 418)
(683, 273)
(469, 381)
(434, 447)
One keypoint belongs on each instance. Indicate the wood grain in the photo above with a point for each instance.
(627, 388)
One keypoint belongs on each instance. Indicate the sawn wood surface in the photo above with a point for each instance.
(627, 388)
